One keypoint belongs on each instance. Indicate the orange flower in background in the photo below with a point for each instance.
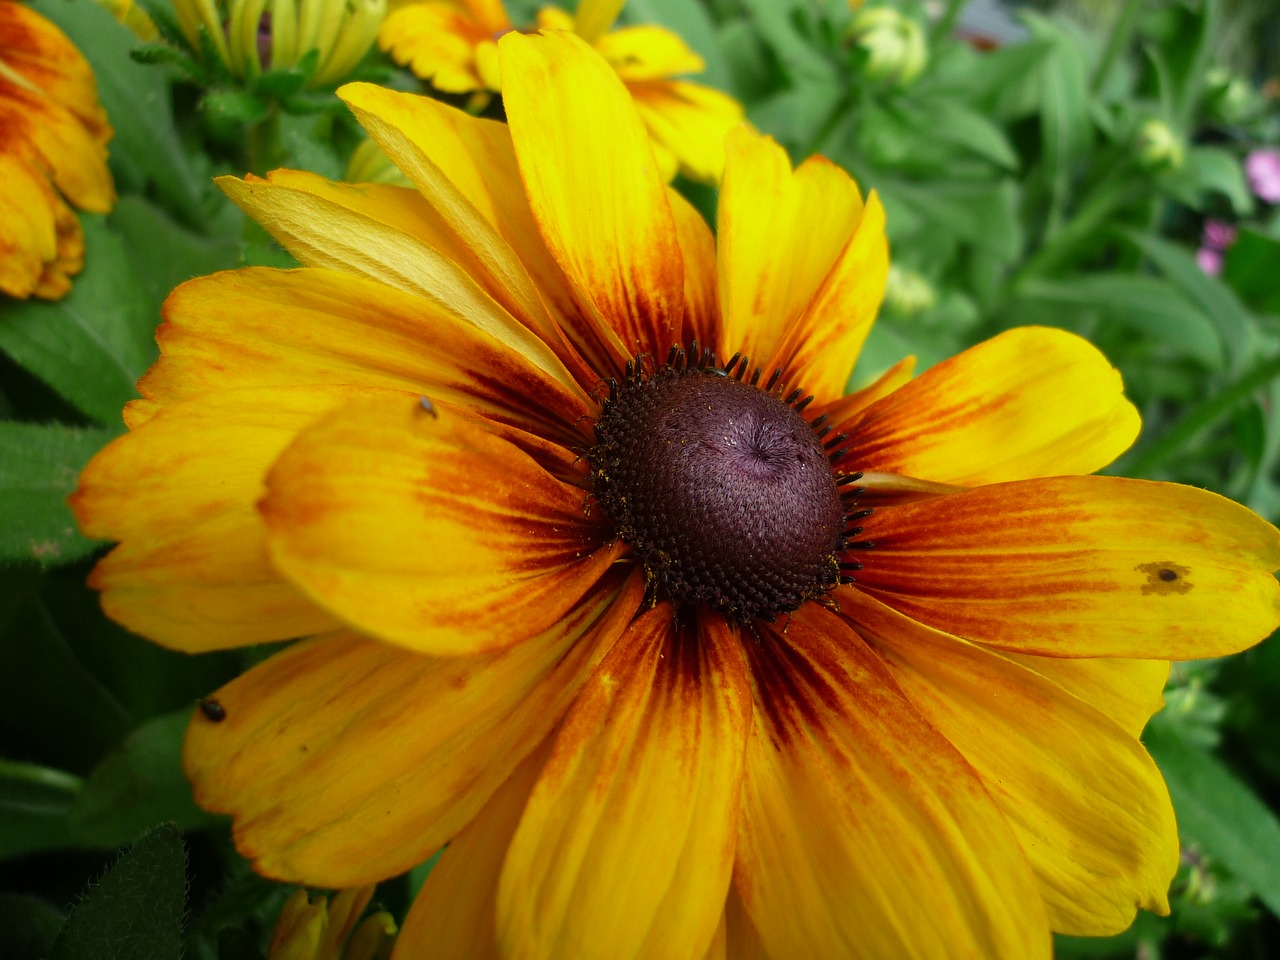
(454, 46)
(53, 152)
(683, 654)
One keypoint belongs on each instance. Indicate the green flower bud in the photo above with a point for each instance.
(894, 45)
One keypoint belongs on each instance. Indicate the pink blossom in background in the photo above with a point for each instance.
(1210, 260)
(1219, 234)
(1262, 167)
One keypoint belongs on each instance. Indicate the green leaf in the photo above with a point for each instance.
(146, 149)
(1251, 267)
(34, 804)
(1235, 326)
(28, 926)
(165, 253)
(951, 121)
(776, 24)
(39, 464)
(1218, 812)
(235, 106)
(1144, 303)
(93, 344)
(137, 785)
(135, 912)
(1209, 170)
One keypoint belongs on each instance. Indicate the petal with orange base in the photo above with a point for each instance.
(701, 296)
(780, 233)
(258, 327)
(589, 172)
(1087, 803)
(191, 570)
(689, 122)
(626, 845)
(465, 168)
(372, 231)
(424, 528)
(1032, 402)
(1080, 567)
(864, 833)
(345, 761)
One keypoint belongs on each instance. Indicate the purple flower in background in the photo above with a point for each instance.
(1218, 237)
(1210, 260)
(1262, 167)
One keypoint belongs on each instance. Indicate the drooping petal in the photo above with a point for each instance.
(780, 233)
(258, 327)
(1032, 402)
(465, 167)
(626, 846)
(1130, 692)
(454, 915)
(345, 761)
(1087, 803)
(689, 121)
(350, 229)
(819, 351)
(864, 834)
(589, 172)
(191, 570)
(1080, 567)
(424, 528)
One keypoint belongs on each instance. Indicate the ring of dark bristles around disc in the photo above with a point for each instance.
(726, 493)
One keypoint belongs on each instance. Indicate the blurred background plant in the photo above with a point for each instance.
(1107, 167)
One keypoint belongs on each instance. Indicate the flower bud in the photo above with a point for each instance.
(894, 45)
(1158, 146)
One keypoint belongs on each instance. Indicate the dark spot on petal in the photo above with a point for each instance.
(1164, 577)
(213, 710)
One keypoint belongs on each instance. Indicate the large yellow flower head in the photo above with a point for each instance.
(53, 152)
(681, 651)
(454, 45)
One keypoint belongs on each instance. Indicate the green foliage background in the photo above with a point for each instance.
(1019, 190)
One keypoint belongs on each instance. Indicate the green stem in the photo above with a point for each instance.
(1121, 31)
(838, 112)
(264, 143)
(1204, 416)
(40, 776)
(1110, 194)
(946, 23)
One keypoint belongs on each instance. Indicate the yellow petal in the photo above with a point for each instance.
(424, 528)
(595, 192)
(780, 233)
(436, 42)
(1083, 797)
(257, 327)
(1127, 691)
(191, 569)
(593, 18)
(1032, 402)
(645, 52)
(626, 845)
(348, 228)
(864, 833)
(56, 140)
(31, 213)
(465, 168)
(301, 929)
(701, 296)
(345, 761)
(689, 120)
(820, 350)
(454, 915)
(1080, 567)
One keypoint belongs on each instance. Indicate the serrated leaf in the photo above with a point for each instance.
(39, 464)
(138, 784)
(1217, 811)
(146, 149)
(93, 344)
(135, 912)
(34, 804)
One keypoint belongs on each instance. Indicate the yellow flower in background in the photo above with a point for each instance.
(132, 16)
(683, 654)
(368, 164)
(454, 46)
(53, 154)
(318, 931)
(252, 36)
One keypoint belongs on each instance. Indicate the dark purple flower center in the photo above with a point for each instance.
(723, 490)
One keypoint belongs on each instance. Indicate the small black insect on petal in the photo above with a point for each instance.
(212, 709)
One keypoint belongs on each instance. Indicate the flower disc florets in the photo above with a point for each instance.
(722, 488)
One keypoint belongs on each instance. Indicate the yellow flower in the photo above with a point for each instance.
(250, 36)
(581, 596)
(317, 931)
(453, 44)
(53, 152)
(132, 16)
